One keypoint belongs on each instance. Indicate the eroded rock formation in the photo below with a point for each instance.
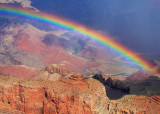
(71, 95)
(64, 96)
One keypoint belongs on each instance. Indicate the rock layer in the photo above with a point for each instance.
(73, 95)
(64, 96)
(141, 75)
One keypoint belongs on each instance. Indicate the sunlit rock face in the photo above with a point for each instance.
(63, 96)
(70, 94)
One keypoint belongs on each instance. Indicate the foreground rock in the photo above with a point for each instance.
(73, 95)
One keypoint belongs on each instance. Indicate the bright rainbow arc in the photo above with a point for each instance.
(71, 26)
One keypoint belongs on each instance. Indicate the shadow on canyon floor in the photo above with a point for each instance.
(116, 89)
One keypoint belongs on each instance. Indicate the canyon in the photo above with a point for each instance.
(47, 70)
(72, 93)
(29, 44)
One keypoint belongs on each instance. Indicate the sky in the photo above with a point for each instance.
(134, 23)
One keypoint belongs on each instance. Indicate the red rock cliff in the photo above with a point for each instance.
(66, 93)
(74, 95)
(69, 96)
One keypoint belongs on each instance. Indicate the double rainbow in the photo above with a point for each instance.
(71, 26)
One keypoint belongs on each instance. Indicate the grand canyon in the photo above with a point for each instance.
(45, 69)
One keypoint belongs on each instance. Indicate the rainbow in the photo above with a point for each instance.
(71, 26)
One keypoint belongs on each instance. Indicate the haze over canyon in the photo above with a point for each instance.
(45, 69)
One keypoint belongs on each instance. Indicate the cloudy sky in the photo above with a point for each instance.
(134, 23)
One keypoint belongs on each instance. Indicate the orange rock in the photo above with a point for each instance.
(72, 95)
(63, 96)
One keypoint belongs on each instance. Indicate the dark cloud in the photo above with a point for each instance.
(135, 23)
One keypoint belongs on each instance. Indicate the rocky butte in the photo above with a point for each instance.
(65, 93)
